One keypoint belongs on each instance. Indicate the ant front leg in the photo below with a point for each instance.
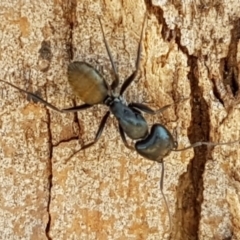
(122, 134)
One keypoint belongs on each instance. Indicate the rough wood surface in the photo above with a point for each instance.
(190, 50)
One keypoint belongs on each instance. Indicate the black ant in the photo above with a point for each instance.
(92, 88)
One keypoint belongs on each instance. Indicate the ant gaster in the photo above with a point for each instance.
(90, 86)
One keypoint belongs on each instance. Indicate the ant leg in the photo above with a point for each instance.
(144, 108)
(39, 99)
(77, 108)
(198, 144)
(129, 80)
(122, 134)
(34, 96)
(164, 198)
(99, 132)
(116, 80)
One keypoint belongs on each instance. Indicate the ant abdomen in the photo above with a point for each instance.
(87, 83)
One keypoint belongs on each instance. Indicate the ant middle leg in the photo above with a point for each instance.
(144, 108)
(99, 132)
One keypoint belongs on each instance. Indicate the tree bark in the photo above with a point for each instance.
(51, 191)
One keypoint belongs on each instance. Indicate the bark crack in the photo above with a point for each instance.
(229, 65)
(65, 141)
(190, 188)
(50, 177)
(69, 13)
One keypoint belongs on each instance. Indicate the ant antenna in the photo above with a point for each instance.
(198, 144)
(163, 195)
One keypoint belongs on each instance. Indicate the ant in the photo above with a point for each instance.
(92, 88)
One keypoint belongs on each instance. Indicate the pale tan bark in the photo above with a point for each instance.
(190, 49)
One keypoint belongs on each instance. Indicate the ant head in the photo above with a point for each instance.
(157, 145)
